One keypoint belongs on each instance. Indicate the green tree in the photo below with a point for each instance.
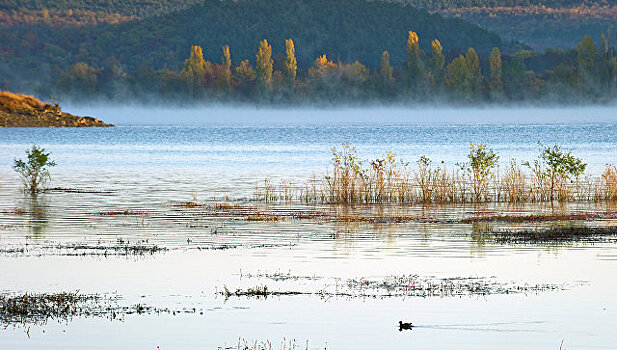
(355, 74)
(263, 67)
(437, 62)
(587, 57)
(475, 71)
(291, 64)
(386, 71)
(482, 164)
(415, 67)
(604, 73)
(458, 77)
(554, 167)
(514, 77)
(244, 76)
(34, 171)
(495, 84)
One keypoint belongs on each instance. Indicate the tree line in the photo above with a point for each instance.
(585, 74)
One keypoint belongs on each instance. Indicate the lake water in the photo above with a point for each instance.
(154, 159)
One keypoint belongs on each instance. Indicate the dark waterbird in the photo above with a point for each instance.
(404, 325)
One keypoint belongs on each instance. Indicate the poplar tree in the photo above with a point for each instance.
(386, 70)
(437, 62)
(604, 74)
(475, 70)
(226, 63)
(587, 57)
(291, 64)
(263, 66)
(415, 68)
(194, 70)
(496, 84)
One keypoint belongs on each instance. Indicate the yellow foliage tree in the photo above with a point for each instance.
(321, 67)
(226, 69)
(415, 68)
(291, 64)
(263, 65)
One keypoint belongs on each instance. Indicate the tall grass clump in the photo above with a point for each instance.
(514, 183)
(345, 183)
(606, 186)
(555, 174)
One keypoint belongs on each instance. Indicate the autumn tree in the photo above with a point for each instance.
(226, 68)
(496, 84)
(437, 62)
(81, 79)
(194, 70)
(263, 66)
(322, 67)
(415, 68)
(244, 76)
(291, 64)
(355, 74)
(324, 77)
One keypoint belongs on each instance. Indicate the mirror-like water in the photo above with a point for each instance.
(130, 179)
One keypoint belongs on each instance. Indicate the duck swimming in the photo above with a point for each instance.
(404, 325)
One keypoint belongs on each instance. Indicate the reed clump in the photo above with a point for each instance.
(555, 175)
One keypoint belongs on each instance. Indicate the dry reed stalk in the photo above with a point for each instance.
(608, 183)
(390, 181)
(514, 184)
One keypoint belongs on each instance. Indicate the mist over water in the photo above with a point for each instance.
(139, 115)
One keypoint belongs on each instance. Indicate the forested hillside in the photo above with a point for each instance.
(538, 23)
(347, 50)
(346, 30)
(134, 8)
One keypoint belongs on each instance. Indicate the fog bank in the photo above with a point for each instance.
(140, 115)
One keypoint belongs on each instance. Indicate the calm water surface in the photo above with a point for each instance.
(147, 168)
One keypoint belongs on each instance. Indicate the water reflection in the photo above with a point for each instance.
(38, 214)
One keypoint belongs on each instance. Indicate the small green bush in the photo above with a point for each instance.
(34, 171)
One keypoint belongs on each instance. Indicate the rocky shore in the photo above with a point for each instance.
(18, 110)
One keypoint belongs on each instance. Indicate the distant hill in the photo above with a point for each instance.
(134, 8)
(345, 30)
(539, 23)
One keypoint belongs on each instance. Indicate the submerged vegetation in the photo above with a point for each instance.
(556, 175)
(554, 234)
(388, 287)
(33, 308)
(34, 171)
